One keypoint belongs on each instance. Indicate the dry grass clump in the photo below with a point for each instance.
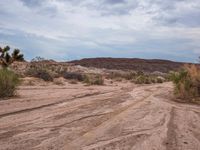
(8, 83)
(187, 83)
(94, 79)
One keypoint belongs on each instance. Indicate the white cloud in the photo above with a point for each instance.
(102, 24)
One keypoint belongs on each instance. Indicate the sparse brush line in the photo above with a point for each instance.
(48, 105)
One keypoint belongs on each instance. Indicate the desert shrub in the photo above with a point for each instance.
(154, 80)
(41, 73)
(148, 79)
(140, 73)
(44, 74)
(129, 75)
(137, 77)
(8, 83)
(122, 75)
(187, 83)
(142, 79)
(74, 76)
(159, 80)
(54, 69)
(94, 79)
(98, 80)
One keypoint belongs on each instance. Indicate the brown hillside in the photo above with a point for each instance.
(130, 64)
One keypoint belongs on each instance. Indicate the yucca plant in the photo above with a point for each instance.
(8, 79)
(7, 59)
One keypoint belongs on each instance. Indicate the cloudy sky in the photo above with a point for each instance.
(74, 29)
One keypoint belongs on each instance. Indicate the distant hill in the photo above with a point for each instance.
(147, 65)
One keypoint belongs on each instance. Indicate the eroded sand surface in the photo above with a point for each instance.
(123, 117)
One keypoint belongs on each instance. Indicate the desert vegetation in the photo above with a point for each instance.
(40, 68)
(187, 83)
(8, 83)
(148, 79)
(89, 79)
(138, 77)
(50, 71)
(7, 59)
(60, 96)
(73, 76)
(93, 79)
(38, 71)
(8, 79)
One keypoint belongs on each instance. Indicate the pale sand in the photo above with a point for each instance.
(110, 117)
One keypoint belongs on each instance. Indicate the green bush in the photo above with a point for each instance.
(8, 83)
(187, 83)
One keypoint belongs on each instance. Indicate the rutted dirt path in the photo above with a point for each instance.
(123, 117)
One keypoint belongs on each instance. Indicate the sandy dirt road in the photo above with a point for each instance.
(123, 117)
